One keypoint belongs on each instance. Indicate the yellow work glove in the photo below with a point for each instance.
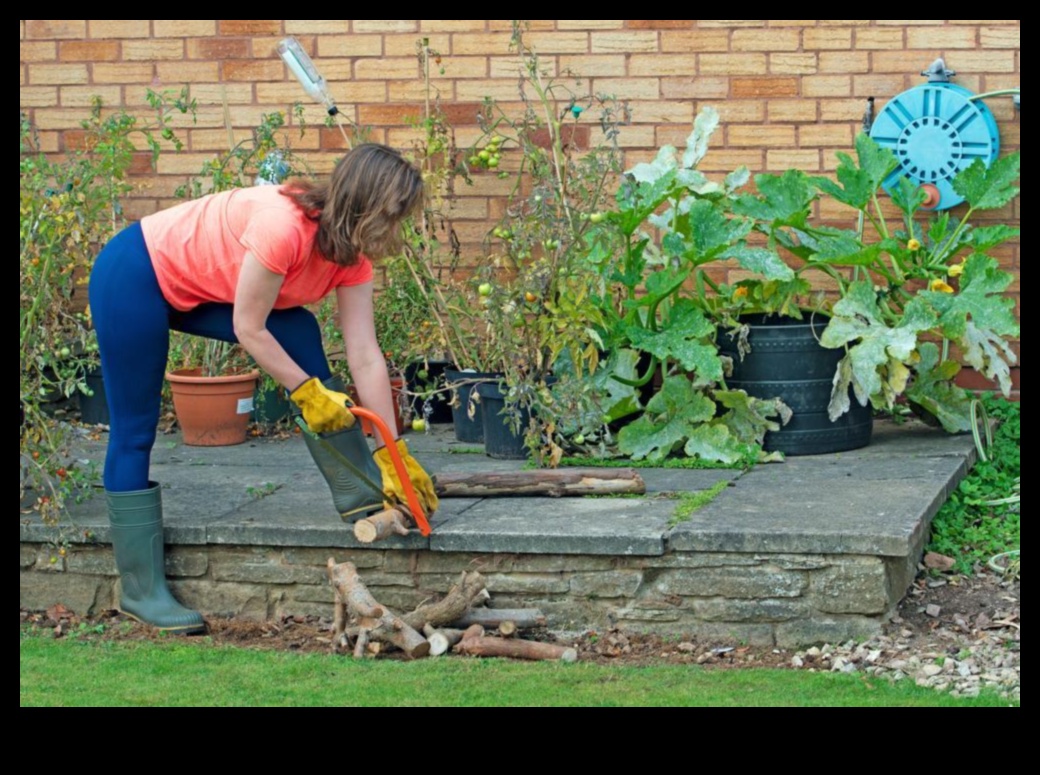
(421, 481)
(323, 410)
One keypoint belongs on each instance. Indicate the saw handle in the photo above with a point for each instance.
(384, 433)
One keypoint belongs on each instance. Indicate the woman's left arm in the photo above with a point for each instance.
(364, 356)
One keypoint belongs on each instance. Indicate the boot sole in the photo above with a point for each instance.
(185, 629)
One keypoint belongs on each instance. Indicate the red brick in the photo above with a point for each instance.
(388, 114)
(219, 48)
(461, 113)
(88, 50)
(250, 26)
(658, 24)
(570, 135)
(764, 87)
(55, 28)
(253, 70)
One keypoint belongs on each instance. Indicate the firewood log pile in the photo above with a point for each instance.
(459, 622)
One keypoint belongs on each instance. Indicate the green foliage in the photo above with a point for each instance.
(70, 205)
(525, 306)
(980, 519)
(907, 295)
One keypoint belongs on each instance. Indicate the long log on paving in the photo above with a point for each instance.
(552, 482)
(492, 618)
(375, 620)
(514, 648)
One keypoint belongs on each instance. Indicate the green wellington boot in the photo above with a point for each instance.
(352, 497)
(137, 540)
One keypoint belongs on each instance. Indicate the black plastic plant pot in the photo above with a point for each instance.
(270, 406)
(434, 378)
(93, 409)
(500, 441)
(467, 429)
(788, 362)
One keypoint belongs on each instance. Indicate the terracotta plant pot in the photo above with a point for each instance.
(212, 411)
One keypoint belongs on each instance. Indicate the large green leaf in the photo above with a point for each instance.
(845, 249)
(983, 238)
(704, 125)
(978, 300)
(711, 231)
(748, 417)
(988, 354)
(617, 399)
(857, 183)
(686, 338)
(782, 199)
(671, 416)
(715, 442)
(934, 391)
(858, 323)
(762, 261)
(990, 187)
(653, 171)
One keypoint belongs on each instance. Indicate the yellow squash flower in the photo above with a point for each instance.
(913, 244)
(740, 292)
(956, 270)
(939, 285)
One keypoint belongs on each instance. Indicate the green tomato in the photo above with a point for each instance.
(418, 425)
(579, 439)
(596, 217)
(484, 289)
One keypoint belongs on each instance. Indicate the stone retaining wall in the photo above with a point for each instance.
(787, 600)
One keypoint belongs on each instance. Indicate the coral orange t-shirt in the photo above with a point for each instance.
(197, 248)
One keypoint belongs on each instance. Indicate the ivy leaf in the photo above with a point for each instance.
(671, 416)
(933, 390)
(987, 188)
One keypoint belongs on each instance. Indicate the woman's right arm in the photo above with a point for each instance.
(255, 295)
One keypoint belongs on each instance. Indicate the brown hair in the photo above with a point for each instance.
(359, 208)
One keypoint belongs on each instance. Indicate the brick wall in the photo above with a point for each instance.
(791, 93)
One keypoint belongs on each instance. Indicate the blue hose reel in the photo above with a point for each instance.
(935, 131)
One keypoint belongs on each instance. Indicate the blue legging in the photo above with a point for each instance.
(133, 322)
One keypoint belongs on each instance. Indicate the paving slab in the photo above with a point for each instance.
(267, 491)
